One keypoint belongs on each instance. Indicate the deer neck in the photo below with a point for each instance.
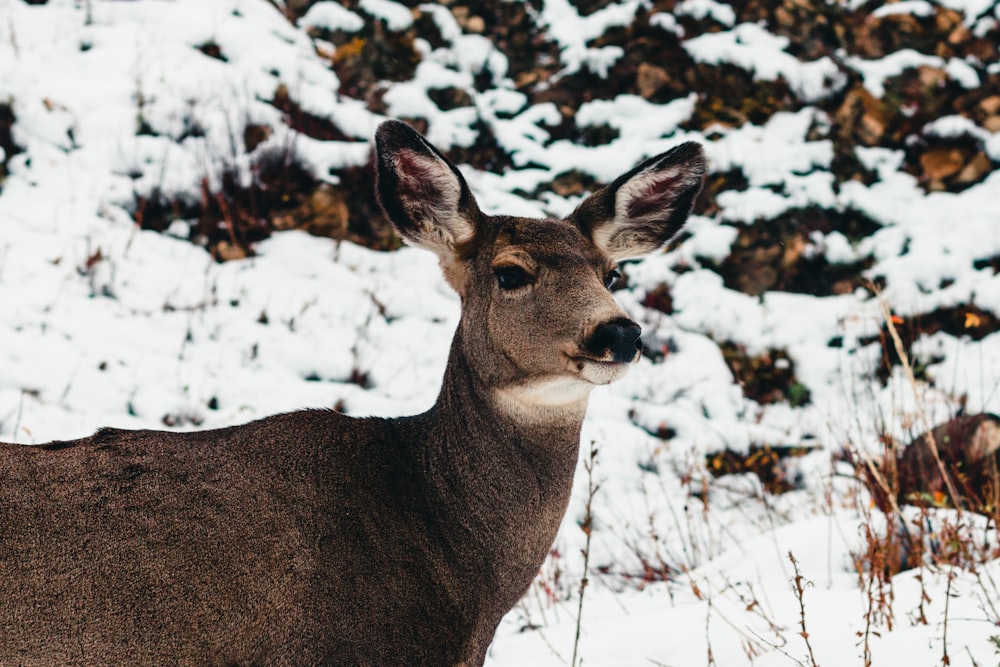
(505, 475)
(521, 422)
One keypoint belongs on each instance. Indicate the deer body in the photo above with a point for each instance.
(317, 538)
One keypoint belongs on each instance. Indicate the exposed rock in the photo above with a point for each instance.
(771, 254)
(450, 98)
(861, 118)
(949, 163)
(966, 448)
(649, 79)
(302, 121)
(254, 135)
(8, 148)
(941, 163)
(659, 298)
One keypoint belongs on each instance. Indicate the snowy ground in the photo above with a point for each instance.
(103, 324)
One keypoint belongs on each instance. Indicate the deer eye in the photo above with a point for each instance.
(512, 277)
(611, 278)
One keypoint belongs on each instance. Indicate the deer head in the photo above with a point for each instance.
(539, 327)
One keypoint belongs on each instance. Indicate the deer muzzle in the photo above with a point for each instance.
(616, 341)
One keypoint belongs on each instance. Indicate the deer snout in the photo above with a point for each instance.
(618, 339)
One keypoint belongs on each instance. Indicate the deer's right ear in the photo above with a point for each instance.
(424, 195)
(642, 209)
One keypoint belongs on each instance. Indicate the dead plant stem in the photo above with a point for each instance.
(587, 526)
(908, 369)
(945, 660)
(800, 585)
(17, 420)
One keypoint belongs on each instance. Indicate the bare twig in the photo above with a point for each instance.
(587, 525)
(908, 369)
(20, 411)
(800, 585)
(708, 635)
(13, 39)
(945, 660)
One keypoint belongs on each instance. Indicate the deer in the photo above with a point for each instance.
(317, 538)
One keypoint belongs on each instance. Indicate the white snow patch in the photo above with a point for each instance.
(332, 16)
(913, 7)
(397, 17)
(754, 49)
(702, 9)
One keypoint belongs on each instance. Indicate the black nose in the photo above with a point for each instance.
(619, 337)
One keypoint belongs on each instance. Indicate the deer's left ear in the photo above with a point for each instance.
(425, 198)
(421, 192)
(642, 209)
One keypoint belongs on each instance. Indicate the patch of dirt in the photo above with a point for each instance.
(769, 463)
(959, 321)
(779, 254)
(765, 378)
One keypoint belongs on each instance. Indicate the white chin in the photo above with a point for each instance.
(547, 393)
(603, 372)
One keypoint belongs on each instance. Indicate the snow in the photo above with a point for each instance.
(397, 16)
(154, 328)
(701, 9)
(635, 118)
(914, 7)
(754, 49)
(332, 16)
(667, 22)
(572, 32)
(875, 72)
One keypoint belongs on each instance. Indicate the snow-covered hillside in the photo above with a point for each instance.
(143, 142)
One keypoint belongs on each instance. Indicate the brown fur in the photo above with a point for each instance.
(315, 538)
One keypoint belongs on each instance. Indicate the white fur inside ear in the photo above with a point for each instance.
(617, 243)
(643, 204)
(648, 196)
(431, 192)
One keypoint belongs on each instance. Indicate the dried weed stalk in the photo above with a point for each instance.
(799, 586)
(587, 526)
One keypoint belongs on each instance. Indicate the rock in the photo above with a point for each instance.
(937, 164)
(931, 77)
(650, 78)
(450, 98)
(476, 25)
(225, 251)
(254, 134)
(862, 117)
(324, 213)
(975, 170)
(990, 105)
(969, 449)
(659, 298)
(990, 109)
(572, 184)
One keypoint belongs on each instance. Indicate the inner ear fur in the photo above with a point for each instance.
(421, 192)
(425, 197)
(645, 207)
